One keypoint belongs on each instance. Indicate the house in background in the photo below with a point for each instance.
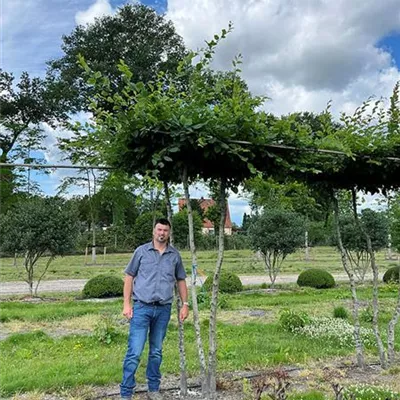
(208, 226)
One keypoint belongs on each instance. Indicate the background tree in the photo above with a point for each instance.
(24, 106)
(181, 228)
(143, 229)
(276, 234)
(354, 241)
(394, 219)
(145, 40)
(36, 228)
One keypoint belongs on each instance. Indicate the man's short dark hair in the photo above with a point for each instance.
(162, 221)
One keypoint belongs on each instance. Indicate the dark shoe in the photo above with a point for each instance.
(155, 396)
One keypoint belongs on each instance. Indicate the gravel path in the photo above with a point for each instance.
(71, 285)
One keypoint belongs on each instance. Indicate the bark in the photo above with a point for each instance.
(390, 332)
(307, 248)
(357, 336)
(212, 352)
(182, 355)
(375, 304)
(196, 319)
(51, 258)
(92, 224)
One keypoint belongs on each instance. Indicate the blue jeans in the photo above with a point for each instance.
(152, 320)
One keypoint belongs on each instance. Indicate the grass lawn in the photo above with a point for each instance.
(33, 358)
(238, 261)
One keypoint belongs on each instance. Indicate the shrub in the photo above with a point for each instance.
(291, 321)
(228, 283)
(392, 274)
(103, 286)
(316, 278)
(340, 312)
(204, 301)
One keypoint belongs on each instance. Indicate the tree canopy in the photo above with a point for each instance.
(145, 40)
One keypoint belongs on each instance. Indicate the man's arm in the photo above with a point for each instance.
(183, 293)
(128, 289)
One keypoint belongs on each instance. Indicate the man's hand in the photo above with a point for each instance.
(184, 313)
(128, 311)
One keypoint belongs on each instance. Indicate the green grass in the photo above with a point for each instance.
(240, 262)
(35, 361)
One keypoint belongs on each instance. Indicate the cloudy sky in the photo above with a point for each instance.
(301, 54)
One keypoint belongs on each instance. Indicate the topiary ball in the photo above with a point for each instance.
(103, 286)
(392, 274)
(228, 283)
(316, 278)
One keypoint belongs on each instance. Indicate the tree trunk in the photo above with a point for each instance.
(92, 224)
(375, 304)
(212, 352)
(357, 335)
(391, 326)
(182, 355)
(196, 320)
(307, 248)
(169, 211)
(390, 255)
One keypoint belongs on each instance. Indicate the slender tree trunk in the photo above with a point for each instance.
(390, 255)
(212, 352)
(375, 304)
(390, 332)
(51, 258)
(307, 248)
(169, 211)
(182, 355)
(357, 335)
(196, 319)
(93, 225)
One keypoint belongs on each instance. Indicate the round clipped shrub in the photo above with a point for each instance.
(340, 312)
(228, 283)
(392, 274)
(316, 278)
(103, 286)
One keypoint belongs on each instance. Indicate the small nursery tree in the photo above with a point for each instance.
(354, 242)
(36, 228)
(276, 233)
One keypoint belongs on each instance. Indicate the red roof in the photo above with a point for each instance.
(205, 204)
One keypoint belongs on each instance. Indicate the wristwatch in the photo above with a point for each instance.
(186, 303)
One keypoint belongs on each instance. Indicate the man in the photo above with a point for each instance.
(150, 277)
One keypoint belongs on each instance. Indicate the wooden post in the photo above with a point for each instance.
(104, 254)
(86, 254)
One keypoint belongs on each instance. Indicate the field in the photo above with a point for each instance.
(62, 347)
(56, 345)
(238, 261)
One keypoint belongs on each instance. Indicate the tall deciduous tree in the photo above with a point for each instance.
(145, 40)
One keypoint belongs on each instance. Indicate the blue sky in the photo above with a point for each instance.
(300, 54)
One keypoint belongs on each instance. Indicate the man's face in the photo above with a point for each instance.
(161, 233)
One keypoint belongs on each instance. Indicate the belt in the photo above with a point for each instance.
(152, 303)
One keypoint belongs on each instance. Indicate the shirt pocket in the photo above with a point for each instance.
(169, 271)
(147, 266)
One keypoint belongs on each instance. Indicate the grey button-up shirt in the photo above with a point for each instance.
(155, 274)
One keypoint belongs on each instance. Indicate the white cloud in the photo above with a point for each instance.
(300, 54)
(98, 9)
